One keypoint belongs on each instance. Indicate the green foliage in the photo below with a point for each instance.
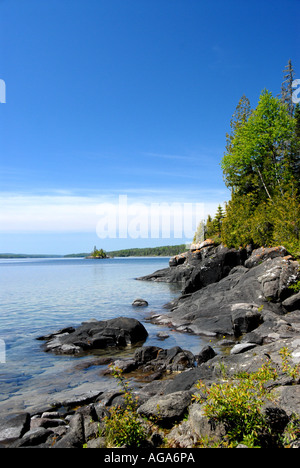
(238, 402)
(236, 227)
(292, 431)
(98, 253)
(269, 223)
(295, 287)
(124, 426)
(218, 221)
(286, 220)
(258, 157)
(262, 168)
(292, 371)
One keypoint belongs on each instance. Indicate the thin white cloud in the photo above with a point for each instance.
(65, 212)
(19, 213)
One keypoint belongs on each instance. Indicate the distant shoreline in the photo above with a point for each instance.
(162, 251)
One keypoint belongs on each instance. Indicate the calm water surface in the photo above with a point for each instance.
(39, 296)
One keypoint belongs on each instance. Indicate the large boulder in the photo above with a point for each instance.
(210, 265)
(202, 265)
(152, 362)
(118, 332)
(166, 409)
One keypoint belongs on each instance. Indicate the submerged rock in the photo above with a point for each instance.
(140, 303)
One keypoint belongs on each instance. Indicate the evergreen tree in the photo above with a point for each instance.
(297, 118)
(210, 230)
(296, 149)
(287, 87)
(218, 220)
(239, 118)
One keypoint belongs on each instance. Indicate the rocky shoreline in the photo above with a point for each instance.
(240, 299)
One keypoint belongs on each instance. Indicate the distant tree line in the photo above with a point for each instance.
(164, 251)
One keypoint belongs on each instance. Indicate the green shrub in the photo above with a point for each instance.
(123, 426)
(238, 402)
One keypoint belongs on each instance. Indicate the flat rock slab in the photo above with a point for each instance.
(15, 427)
(239, 303)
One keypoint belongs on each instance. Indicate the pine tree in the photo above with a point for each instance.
(287, 87)
(239, 118)
(218, 220)
(297, 118)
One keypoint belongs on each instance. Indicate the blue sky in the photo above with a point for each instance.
(110, 98)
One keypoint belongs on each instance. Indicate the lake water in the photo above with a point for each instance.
(39, 296)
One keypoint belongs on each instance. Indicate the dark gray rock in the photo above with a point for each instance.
(292, 303)
(75, 438)
(203, 427)
(204, 264)
(276, 418)
(118, 332)
(205, 354)
(245, 318)
(215, 264)
(33, 438)
(140, 303)
(154, 359)
(236, 303)
(62, 331)
(262, 254)
(162, 335)
(188, 379)
(289, 398)
(14, 428)
(46, 423)
(167, 409)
